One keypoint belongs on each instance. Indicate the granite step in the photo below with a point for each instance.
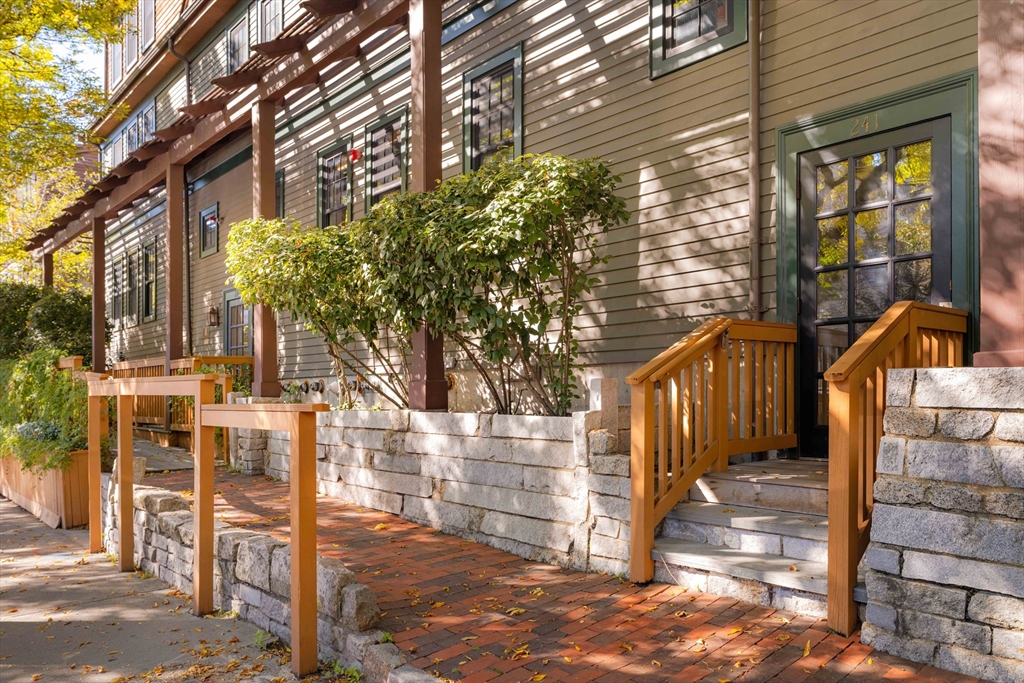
(798, 486)
(789, 534)
(797, 585)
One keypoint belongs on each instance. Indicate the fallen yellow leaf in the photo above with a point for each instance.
(626, 646)
(567, 659)
(656, 663)
(736, 630)
(807, 648)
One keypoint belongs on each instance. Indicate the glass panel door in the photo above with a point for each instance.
(874, 229)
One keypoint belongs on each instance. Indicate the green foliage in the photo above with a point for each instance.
(263, 639)
(47, 98)
(63, 319)
(387, 637)
(44, 414)
(496, 259)
(16, 300)
(342, 674)
(34, 317)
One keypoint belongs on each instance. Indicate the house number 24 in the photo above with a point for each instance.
(865, 125)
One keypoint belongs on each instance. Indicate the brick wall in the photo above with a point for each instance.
(945, 577)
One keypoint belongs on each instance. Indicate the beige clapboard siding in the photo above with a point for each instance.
(169, 100)
(234, 199)
(819, 57)
(210, 64)
(144, 339)
(678, 142)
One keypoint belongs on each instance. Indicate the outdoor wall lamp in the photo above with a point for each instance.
(213, 317)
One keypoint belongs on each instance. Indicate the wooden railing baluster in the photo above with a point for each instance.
(713, 394)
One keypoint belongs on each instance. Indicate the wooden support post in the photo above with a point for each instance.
(302, 487)
(641, 525)
(202, 550)
(99, 297)
(125, 488)
(47, 263)
(96, 418)
(428, 388)
(843, 554)
(173, 263)
(264, 324)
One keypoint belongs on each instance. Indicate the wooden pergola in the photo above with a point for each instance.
(332, 31)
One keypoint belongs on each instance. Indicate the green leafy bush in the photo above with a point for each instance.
(16, 300)
(44, 414)
(62, 319)
(496, 259)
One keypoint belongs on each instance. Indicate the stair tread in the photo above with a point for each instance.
(809, 479)
(794, 524)
(810, 577)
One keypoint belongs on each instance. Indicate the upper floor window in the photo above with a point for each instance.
(147, 20)
(131, 138)
(493, 106)
(147, 123)
(385, 158)
(238, 45)
(131, 39)
(335, 184)
(270, 11)
(116, 66)
(686, 31)
(209, 238)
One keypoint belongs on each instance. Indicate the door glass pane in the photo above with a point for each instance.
(913, 228)
(872, 234)
(833, 293)
(913, 170)
(833, 247)
(871, 291)
(832, 343)
(833, 187)
(872, 182)
(914, 280)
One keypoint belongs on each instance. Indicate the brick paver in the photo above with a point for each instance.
(468, 612)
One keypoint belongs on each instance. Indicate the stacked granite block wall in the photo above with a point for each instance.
(945, 579)
(552, 489)
(252, 576)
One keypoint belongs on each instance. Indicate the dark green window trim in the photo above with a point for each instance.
(232, 296)
(514, 55)
(346, 144)
(399, 115)
(205, 249)
(148, 269)
(702, 48)
(955, 97)
(132, 288)
(279, 193)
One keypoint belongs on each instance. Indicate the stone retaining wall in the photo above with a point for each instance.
(552, 489)
(945, 578)
(252, 576)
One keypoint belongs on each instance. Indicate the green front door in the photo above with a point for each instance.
(874, 222)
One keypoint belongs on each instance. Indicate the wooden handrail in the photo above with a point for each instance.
(908, 335)
(726, 388)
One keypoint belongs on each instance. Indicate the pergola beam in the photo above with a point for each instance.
(280, 47)
(342, 41)
(150, 151)
(208, 106)
(172, 133)
(240, 80)
(329, 8)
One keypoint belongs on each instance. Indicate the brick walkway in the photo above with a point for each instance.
(468, 612)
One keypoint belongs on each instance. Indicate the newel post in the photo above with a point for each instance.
(641, 473)
(843, 530)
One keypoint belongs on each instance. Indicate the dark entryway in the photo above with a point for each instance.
(874, 218)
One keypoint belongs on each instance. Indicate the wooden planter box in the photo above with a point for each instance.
(56, 497)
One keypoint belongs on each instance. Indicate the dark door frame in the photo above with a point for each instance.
(954, 97)
(814, 437)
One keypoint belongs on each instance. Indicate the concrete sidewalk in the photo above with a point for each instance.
(66, 615)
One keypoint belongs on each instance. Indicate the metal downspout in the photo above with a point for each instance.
(754, 158)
